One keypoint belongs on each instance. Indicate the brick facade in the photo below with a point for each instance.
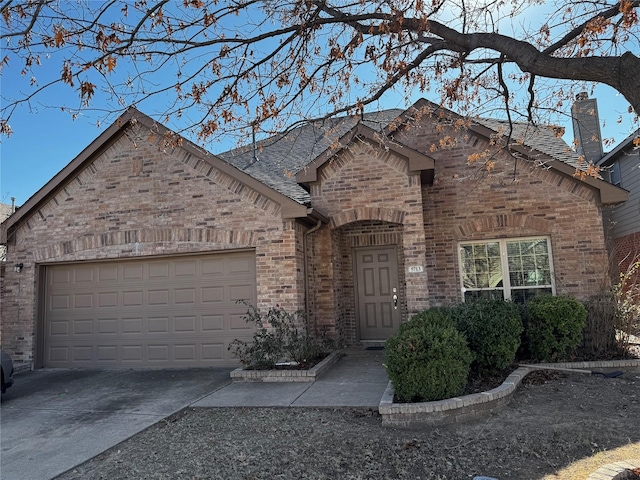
(136, 199)
(466, 202)
(371, 199)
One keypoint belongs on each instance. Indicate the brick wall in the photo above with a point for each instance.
(135, 199)
(371, 199)
(468, 203)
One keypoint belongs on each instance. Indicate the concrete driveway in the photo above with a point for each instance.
(52, 420)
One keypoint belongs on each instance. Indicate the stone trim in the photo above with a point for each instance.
(494, 222)
(219, 236)
(630, 362)
(310, 375)
(468, 407)
(617, 471)
(390, 215)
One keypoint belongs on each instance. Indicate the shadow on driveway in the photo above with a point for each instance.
(55, 419)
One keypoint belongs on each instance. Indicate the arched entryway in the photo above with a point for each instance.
(371, 268)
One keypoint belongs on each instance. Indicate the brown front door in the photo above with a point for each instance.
(377, 292)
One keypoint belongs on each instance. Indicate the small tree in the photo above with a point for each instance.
(627, 296)
(280, 336)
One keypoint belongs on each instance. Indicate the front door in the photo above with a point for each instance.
(377, 292)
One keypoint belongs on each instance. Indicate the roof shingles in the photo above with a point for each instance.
(280, 157)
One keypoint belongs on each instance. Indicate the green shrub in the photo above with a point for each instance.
(432, 316)
(427, 361)
(554, 326)
(493, 329)
(285, 339)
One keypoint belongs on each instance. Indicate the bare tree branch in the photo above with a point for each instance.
(271, 64)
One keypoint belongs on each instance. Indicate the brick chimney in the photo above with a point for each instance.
(586, 127)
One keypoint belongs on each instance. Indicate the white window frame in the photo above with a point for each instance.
(506, 280)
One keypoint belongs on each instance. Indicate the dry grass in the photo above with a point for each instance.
(559, 426)
(581, 469)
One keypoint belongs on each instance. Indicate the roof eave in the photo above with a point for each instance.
(608, 194)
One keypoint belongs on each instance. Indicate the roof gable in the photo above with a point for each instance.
(539, 144)
(288, 206)
(417, 161)
(281, 157)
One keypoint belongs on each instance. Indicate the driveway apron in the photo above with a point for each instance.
(54, 419)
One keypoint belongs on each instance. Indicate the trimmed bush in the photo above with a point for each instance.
(427, 361)
(433, 316)
(493, 329)
(554, 326)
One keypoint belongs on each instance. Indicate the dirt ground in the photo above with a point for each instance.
(557, 426)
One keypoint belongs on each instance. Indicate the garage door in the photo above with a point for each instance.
(168, 312)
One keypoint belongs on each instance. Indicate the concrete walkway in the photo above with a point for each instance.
(359, 379)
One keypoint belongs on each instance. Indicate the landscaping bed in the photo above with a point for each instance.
(290, 373)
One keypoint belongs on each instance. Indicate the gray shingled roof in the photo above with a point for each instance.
(282, 156)
(540, 137)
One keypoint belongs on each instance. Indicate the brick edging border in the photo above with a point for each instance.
(468, 407)
(616, 471)
(310, 375)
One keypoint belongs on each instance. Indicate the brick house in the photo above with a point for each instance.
(137, 251)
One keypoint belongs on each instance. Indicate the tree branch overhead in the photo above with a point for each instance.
(265, 65)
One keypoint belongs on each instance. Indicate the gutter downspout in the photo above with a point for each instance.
(306, 272)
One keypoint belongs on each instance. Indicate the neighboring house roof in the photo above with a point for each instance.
(629, 142)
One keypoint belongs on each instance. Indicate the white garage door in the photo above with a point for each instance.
(166, 312)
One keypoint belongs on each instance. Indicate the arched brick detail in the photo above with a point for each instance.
(221, 237)
(491, 223)
(390, 215)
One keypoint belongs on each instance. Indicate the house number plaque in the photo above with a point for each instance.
(416, 269)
